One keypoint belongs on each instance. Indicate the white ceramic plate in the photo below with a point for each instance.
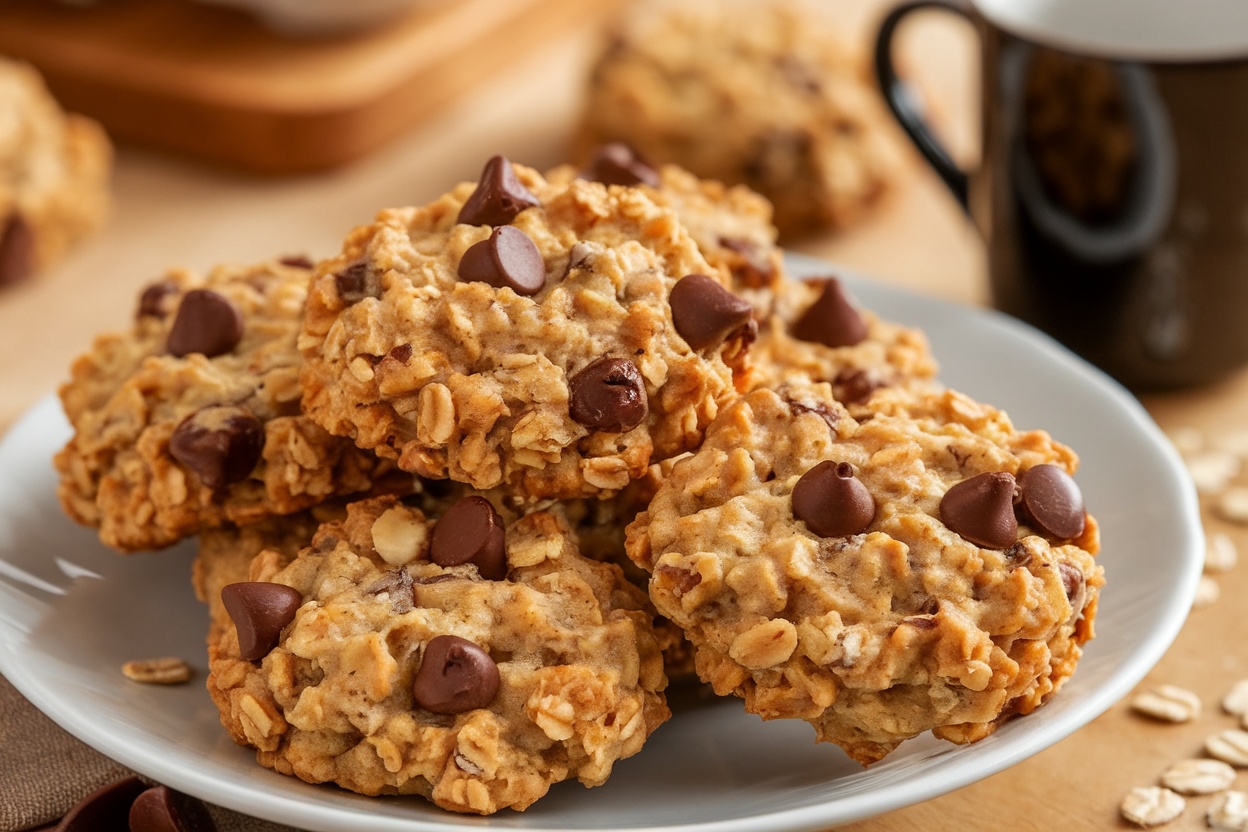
(71, 613)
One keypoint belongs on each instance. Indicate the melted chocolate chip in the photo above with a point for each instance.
(402, 353)
(754, 269)
(207, 323)
(356, 282)
(818, 408)
(1051, 501)
(455, 676)
(618, 164)
(981, 509)
(220, 444)
(499, 196)
(107, 807)
(855, 386)
(507, 259)
(831, 320)
(705, 313)
(608, 395)
(152, 299)
(160, 809)
(17, 250)
(1076, 586)
(832, 501)
(399, 585)
(471, 531)
(260, 611)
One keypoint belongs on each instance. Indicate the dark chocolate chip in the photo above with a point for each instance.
(402, 353)
(1051, 501)
(608, 395)
(1076, 586)
(152, 300)
(507, 259)
(855, 386)
(17, 250)
(356, 282)
(161, 809)
(832, 501)
(706, 313)
(618, 164)
(831, 320)
(297, 261)
(260, 611)
(206, 322)
(471, 531)
(499, 196)
(981, 509)
(220, 444)
(455, 676)
(106, 808)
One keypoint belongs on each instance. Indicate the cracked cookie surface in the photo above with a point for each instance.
(558, 674)
(886, 623)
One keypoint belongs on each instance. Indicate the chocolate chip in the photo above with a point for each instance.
(207, 323)
(402, 353)
(507, 259)
(356, 282)
(855, 386)
(706, 313)
(499, 196)
(618, 164)
(455, 676)
(220, 444)
(1051, 501)
(608, 395)
(754, 268)
(260, 611)
(107, 807)
(17, 250)
(297, 261)
(981, 509)
(399, 585)
(161, 809)
(152, 299)
(832, 501)
(1075, 584)
(831, 320)
(471, 531)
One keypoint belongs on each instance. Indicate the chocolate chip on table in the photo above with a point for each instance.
(608, 395)
(1051, 501)
(618, 164)
(161, 809)
(220, 444)
(17, 250)
(499, 196)
(705, 313)
(832, 501)
(356, 282)
(471, 531)
(207, 322)
(981, 509)
(108, 807)
(152, 299)
(831, 320)
(508, 258)
(455, 676)
(260, 611)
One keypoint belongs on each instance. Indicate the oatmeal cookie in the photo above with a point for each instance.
(877, 579)
(554, 338)
(450, 658)
(191, 419)
(760, 94)
(54, 171)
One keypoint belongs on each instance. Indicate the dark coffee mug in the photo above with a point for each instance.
(1112, 191)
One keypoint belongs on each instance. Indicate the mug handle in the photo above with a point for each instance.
(905, 106)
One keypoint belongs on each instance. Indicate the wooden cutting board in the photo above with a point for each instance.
(214, 83)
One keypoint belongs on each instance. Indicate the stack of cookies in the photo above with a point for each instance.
(471, 493)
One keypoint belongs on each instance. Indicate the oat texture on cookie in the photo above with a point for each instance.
(190, 420)
(524, 333)
(382, 658)
(865, 575)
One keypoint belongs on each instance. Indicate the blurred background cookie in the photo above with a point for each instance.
(763, 94)
(54, 171)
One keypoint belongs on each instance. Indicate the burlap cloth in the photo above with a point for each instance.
(44, 771)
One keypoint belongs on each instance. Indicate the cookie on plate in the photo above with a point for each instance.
(760, 94)
(190, 420)
(54, 171)
(928, 569)
(553, 338)
(450, 657)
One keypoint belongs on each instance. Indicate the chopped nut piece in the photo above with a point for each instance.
(398, 537)
(1198, 776)
(1229, 811)
(1221, 554)
(1149, 806)
(168, 670)
(1169, 703)
(1229, 746)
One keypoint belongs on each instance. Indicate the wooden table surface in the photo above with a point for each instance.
(172, 212)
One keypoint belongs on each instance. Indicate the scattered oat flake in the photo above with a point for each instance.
(167, 670)
(1229, 746)
(1235, 442)
(1149, 806)
(1207, 593)
(1229, 811)
(1187, 440)
(1169, 703)
(1232, 505)
(1212, 471)
(1236, 699)
(1221, 553)
(1198, 776)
